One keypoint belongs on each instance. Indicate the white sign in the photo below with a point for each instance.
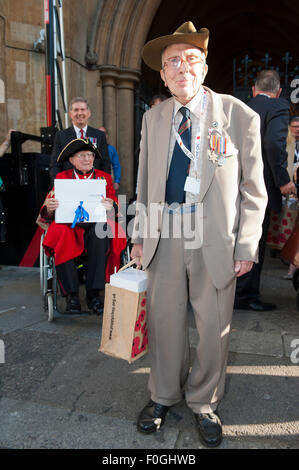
(71, 193)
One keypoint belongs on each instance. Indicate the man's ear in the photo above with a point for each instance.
(278, 93)
(205, 72)
(162, 75)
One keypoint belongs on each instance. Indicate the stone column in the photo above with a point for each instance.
(125, 128)
(109, 76)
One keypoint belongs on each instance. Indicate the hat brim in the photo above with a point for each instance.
(75, 146)
(152, 51)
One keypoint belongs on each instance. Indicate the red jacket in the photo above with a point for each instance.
(66, 243)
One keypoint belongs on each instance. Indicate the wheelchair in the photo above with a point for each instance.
(48, 281)
(48, 277)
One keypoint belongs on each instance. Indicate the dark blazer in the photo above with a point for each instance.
(65, 136)
(274, 114)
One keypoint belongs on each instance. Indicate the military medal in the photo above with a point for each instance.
(93, 141)
(218, 146)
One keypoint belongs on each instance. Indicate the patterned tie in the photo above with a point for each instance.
(82, 133)
(296, 156)
(179, 163)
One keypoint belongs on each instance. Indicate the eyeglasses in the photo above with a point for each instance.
(174, 63)
(82, 156)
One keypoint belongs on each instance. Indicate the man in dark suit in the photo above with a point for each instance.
(274, 114)
(79, 113)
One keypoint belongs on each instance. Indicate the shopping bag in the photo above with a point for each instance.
(124, 328)
(282, 224)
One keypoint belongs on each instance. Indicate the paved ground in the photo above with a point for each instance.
(58, 392)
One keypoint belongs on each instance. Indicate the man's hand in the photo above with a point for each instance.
(289, 188)
(51, 205)
(137, 252)
(107, 202)
(296, 166)
(242, 267)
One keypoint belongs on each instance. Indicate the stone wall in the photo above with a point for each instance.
(22, 69)
(110, 33)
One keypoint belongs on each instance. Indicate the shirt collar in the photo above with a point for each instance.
(81, 173)
(264, 94)
(192, 105)
(77, 129)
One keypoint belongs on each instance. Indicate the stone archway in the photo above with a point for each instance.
(116, 43)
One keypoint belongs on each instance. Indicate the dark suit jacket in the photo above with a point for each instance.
(64, 137)
(274, 114)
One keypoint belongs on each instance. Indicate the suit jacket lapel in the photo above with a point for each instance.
(72, 133)
(215, 116)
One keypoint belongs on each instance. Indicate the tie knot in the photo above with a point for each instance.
(185, 112)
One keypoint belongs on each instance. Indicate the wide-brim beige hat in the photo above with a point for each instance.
(185, 34)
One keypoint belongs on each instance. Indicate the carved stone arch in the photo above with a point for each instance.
(117, 42)
(121, 31)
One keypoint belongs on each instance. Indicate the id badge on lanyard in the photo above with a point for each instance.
(192, 185)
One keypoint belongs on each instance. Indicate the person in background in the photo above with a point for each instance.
(274, 114)
(114, 158)
(156, 99)
(67, 243)
(293, 142)
(3, 223)
(6, 143)
(79, 113)
(293, 163)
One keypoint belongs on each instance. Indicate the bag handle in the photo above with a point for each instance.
(133, 261)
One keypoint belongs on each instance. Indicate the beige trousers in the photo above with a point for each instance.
(175, 275)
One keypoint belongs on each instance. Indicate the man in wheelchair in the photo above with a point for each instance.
(66, 243)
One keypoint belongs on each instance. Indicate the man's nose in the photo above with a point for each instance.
(184, 66)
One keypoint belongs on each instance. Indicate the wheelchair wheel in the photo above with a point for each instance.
(50, 306)
(41, 265)
(43, 268)
(125, 256)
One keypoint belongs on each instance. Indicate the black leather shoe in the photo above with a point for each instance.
(152, 417)
(72, 304)
(209, 429)
(95, 304)
(256, 305)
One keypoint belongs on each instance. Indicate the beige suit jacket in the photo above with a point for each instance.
(233, 195)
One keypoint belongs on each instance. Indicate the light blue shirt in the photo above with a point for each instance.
(114, 158)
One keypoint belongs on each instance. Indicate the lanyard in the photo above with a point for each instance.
(197, 146)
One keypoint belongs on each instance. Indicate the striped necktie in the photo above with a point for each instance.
(179, 166)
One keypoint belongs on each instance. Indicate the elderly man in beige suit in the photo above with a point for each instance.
(201, 174)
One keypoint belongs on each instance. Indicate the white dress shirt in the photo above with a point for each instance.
(198, 123)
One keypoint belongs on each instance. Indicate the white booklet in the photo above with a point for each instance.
(85, 193)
